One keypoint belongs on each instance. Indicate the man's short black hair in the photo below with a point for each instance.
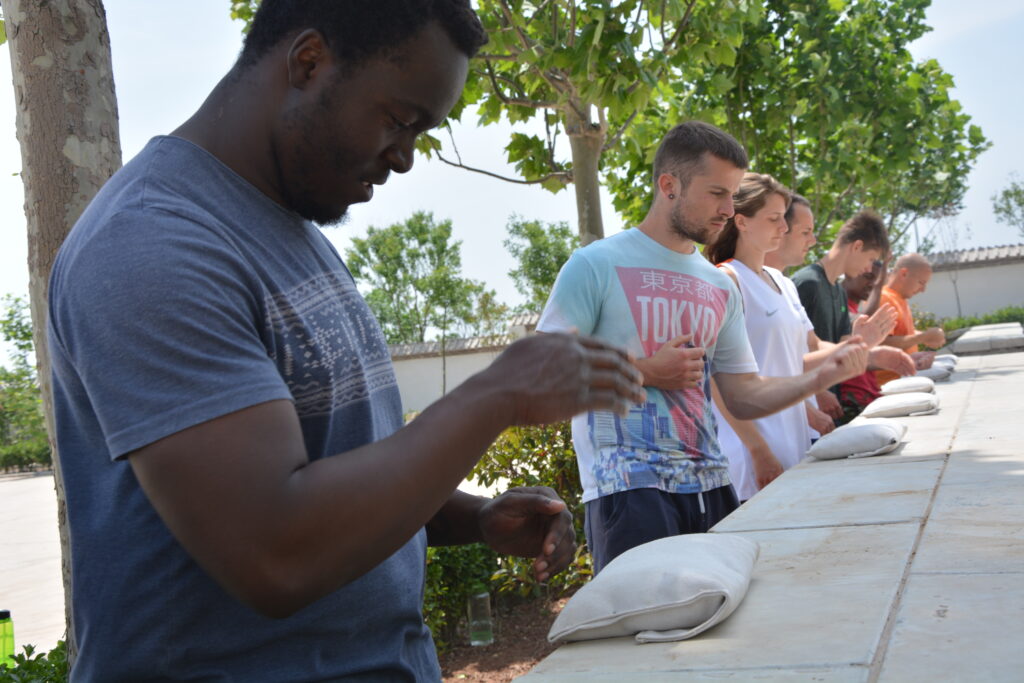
(682, 150)
(357, 30)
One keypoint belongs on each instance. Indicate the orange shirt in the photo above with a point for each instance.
(904, 327)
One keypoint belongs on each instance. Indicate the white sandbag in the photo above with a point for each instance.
(937, 372)
(665, 590)
(859, 440)
(901, 405)
(905, 385)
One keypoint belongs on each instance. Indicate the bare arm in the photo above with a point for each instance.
(766, 466)
(278, 531)
(933, 337)
(749, 396)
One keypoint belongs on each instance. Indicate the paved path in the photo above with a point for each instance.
(30, 580)
(906, 567)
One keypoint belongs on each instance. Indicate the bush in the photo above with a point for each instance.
(51, 667)
(521, 456)
(537, 456)
(452, 571)
(1010, 314)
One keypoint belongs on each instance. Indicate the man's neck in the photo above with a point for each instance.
(659, 229)
(833, 263)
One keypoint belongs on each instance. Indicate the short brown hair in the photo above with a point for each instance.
(755, 189)
(868, 227)
(682, 150)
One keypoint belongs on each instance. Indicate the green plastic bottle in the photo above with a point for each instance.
(6, 639)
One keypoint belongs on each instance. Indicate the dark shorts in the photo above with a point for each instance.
(624, 520)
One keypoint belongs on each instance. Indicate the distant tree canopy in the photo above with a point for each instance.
(1008, 204)
(540, 251)
(23, 440)
(823, 93)
(412, 273)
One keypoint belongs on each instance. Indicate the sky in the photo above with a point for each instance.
(166, 62)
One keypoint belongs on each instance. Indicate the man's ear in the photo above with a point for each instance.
(857, 246)
(308, 57)
(740, 220)
(669, 184)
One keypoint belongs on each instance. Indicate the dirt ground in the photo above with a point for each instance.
(520, 641)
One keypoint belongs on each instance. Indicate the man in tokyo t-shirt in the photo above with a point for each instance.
(658, 471)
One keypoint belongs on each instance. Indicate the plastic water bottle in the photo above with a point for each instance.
(481, 630)
(6, 639)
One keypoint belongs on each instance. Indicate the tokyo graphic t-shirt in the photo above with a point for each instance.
(631, 291)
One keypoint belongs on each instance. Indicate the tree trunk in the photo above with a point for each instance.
(67, 127)
(585, 142)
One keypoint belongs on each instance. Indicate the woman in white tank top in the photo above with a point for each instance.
(778, 328)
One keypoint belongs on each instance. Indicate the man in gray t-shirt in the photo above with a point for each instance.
(243, 500)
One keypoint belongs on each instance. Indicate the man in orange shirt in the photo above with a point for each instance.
(909, 278)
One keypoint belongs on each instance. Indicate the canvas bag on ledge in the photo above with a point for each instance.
(859, 439)
(902, 405)
(906, 385)
(665, 590)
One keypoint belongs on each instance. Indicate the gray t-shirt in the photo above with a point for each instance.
(825, 303)
(183, 294)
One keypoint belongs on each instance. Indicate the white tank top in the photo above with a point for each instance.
(777, 326)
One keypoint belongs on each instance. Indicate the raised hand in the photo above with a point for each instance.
(875, 329)
(674, 366)
(551, 377)
(530, 522)
(891, 358)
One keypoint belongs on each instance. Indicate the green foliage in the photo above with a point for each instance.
(540, 250)
(33, 667)
(1008, 204)
(826, 97)
(452, 571)
(23, 440)
(1010, 314)
(537, 456)
(412, 270)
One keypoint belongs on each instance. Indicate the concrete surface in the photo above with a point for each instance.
(30, 579)
(900, 568)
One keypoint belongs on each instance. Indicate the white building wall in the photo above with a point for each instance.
(419, 379)
(982, 290)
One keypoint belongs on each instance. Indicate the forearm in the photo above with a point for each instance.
(457, 522)
(378, 496)
(813, 359)
(746, 430)
(749, 397)
(278, 531)
(903, 342)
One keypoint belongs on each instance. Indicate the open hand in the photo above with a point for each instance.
(891, 358)
(875, 329)
(674, 366)
(530, 522)
(551, 377)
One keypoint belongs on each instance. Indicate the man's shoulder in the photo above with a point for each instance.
(810, 273)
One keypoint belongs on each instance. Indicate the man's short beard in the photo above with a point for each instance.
(687, 229)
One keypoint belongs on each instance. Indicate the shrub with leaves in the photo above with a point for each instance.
(41, 667)
(537, 456)
(452, 571)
